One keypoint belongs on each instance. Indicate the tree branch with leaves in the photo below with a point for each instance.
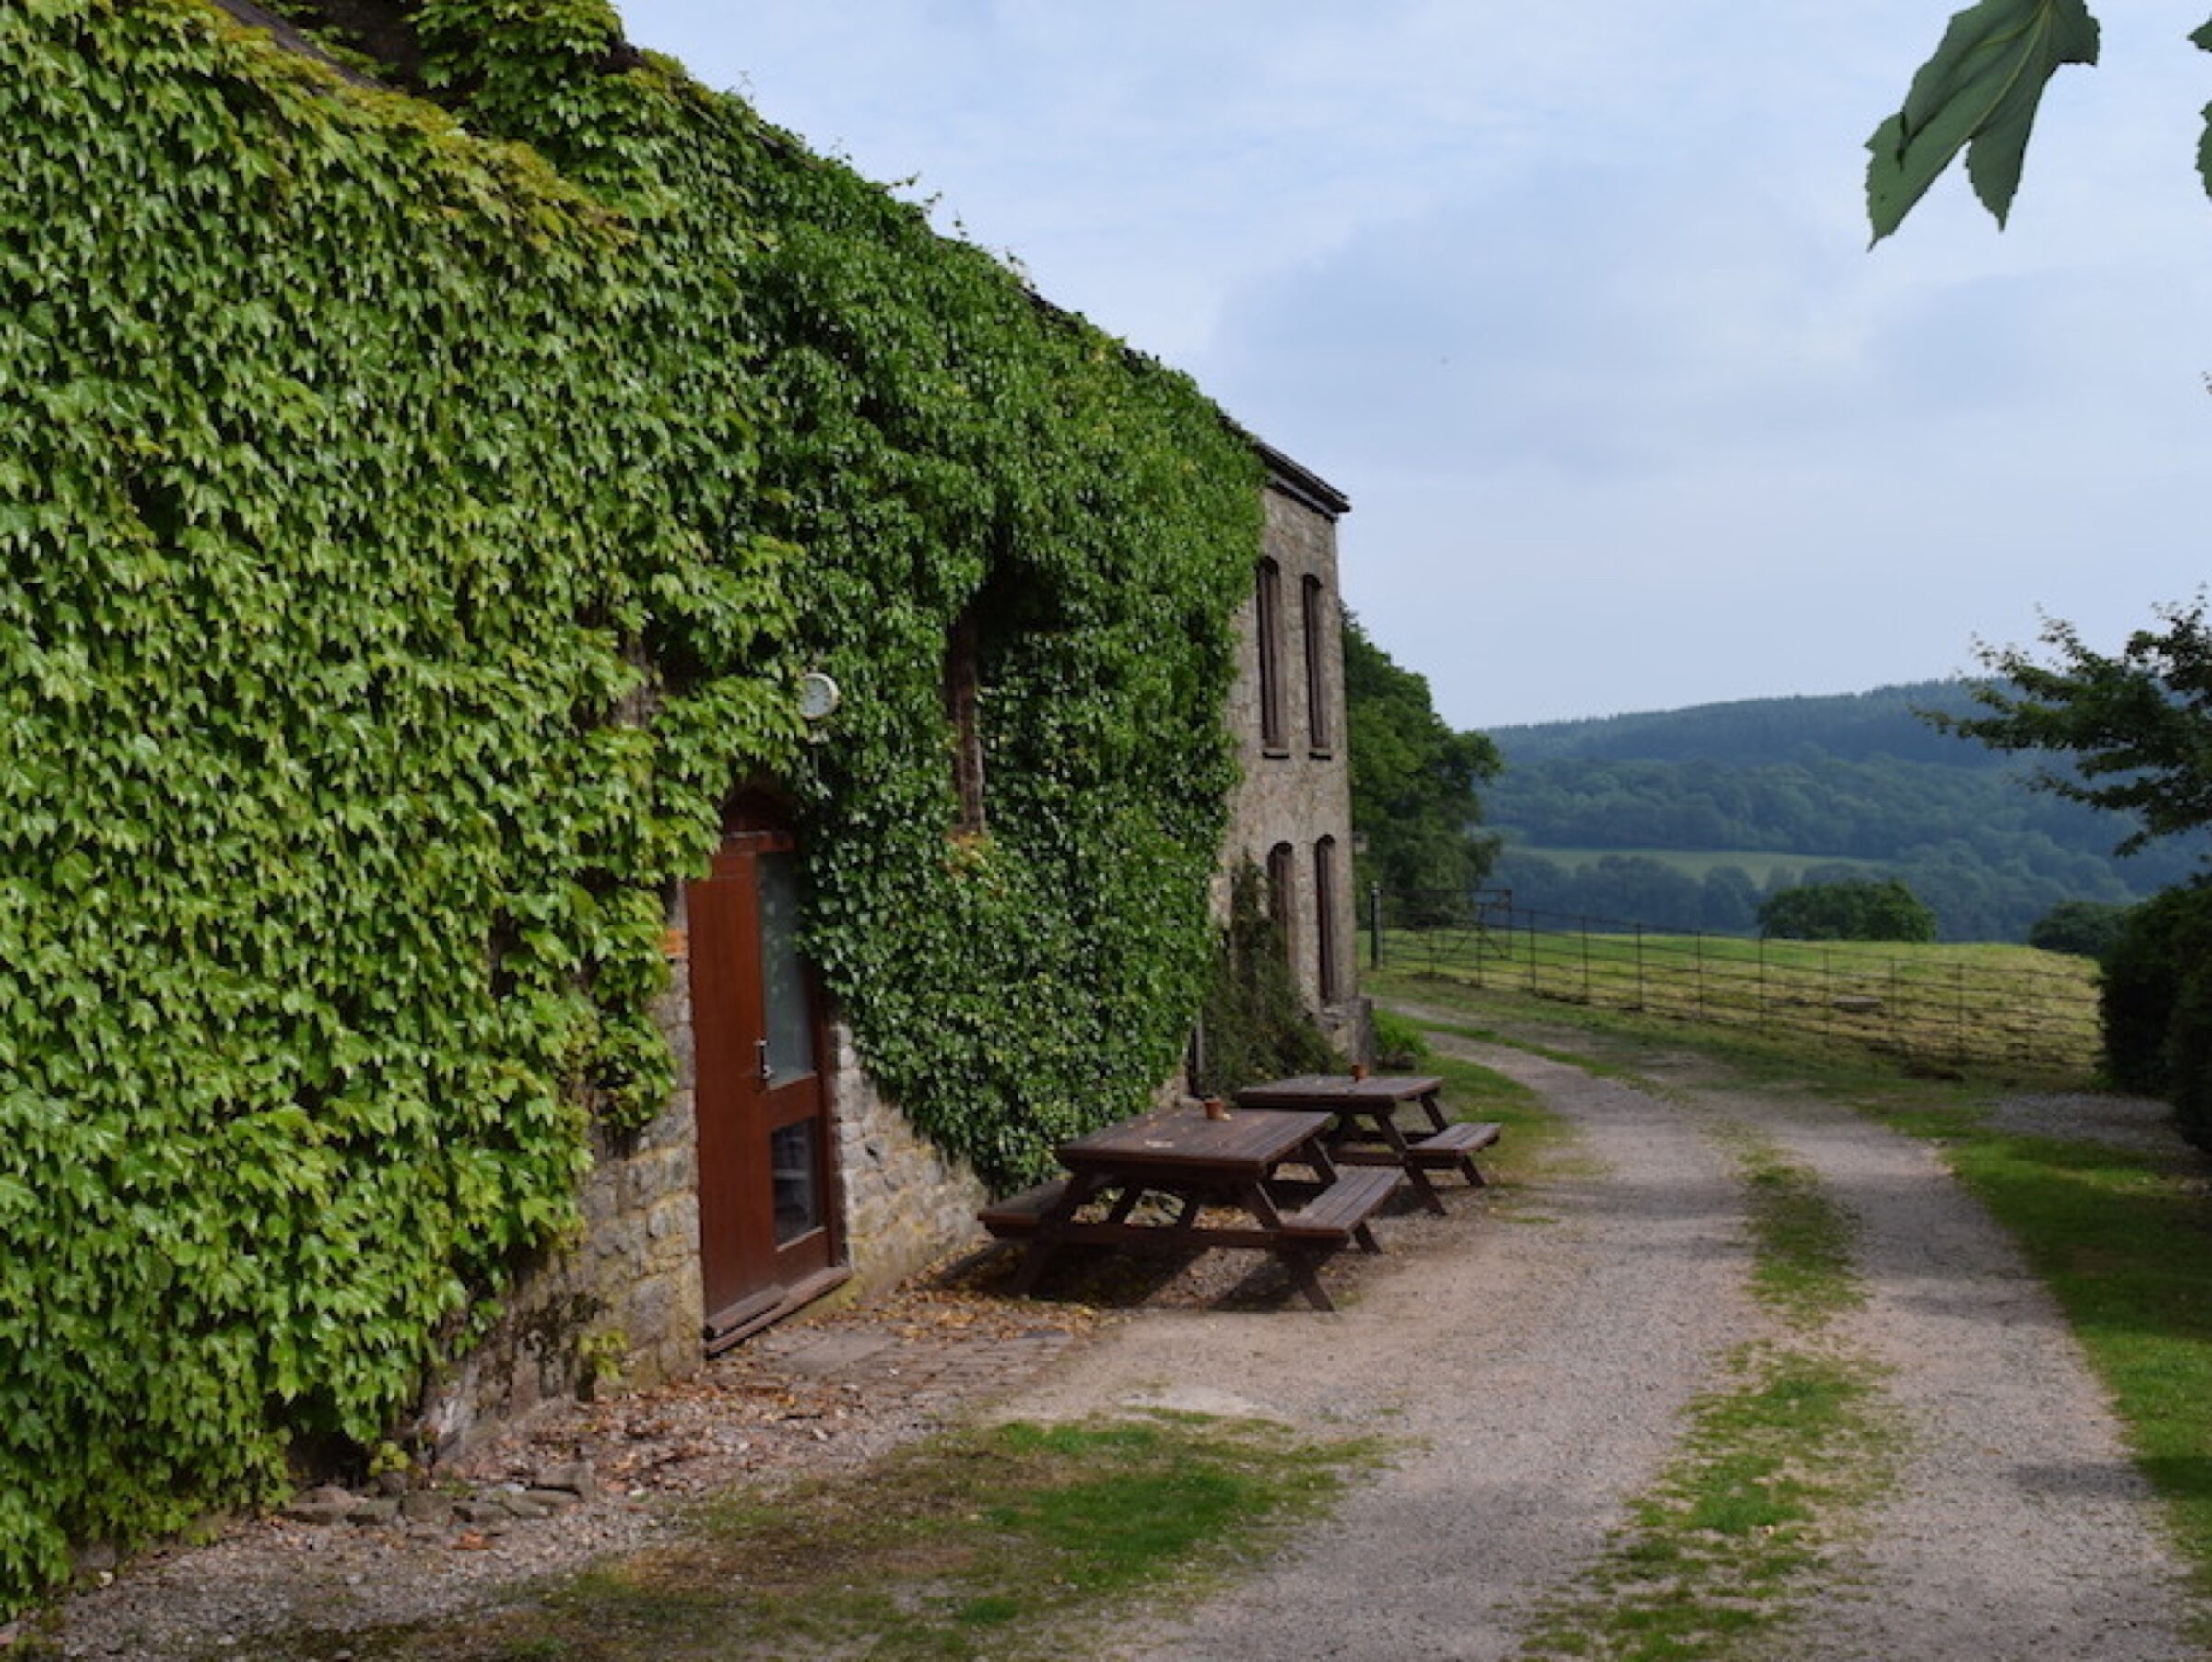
(2138, 725)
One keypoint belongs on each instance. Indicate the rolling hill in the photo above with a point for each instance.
(1685, 819)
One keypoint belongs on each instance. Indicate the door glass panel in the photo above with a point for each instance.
(788, 1020)
(790, 1157)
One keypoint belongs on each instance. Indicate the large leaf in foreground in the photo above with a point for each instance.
(1978, 93)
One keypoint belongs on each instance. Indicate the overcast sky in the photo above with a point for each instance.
(1576, 304)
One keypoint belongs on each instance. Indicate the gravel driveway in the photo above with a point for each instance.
(1537, 1367)
(1531, 1358)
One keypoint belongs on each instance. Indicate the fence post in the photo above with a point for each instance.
(1374, 924)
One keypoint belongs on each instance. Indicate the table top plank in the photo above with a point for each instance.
(1247, 1143)
(1334, 1091)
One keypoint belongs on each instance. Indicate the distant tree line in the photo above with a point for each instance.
(1847, 726)
(1414, 801)
(1646, 890)
(2134, 731)
(1972, 898)
(1864, 780)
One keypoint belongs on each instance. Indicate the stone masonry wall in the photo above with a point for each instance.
(906, 1203)
(625, 1302)
(1299, 792)
(625, 1305)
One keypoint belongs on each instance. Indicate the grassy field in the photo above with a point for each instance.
(1759, 865)
(2028, 1013)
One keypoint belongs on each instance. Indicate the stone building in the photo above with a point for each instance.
(1291, 814)
(678, 1262)
(776, 1173)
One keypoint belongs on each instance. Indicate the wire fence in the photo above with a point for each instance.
(2001, 1008)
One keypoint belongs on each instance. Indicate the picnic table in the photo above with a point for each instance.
(1367, 1131)
(1150, 1180)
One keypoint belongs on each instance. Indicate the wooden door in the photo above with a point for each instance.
(767, 1215)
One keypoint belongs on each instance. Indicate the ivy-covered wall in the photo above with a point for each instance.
(416, 512)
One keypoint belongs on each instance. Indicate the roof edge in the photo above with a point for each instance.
(292, 38)
(1299, 482)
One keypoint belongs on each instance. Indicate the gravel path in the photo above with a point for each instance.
(1538, 1364)
(1531, 1357)
(2019, 1527)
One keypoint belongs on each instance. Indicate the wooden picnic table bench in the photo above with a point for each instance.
(1367, 1130)
(1151, 1181)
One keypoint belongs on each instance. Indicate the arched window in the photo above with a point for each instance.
(1268, 625)
(1282, 894)
(1330, 983)
(963, 700)
(1314, 616)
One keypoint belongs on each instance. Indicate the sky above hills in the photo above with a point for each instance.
(1576, 304)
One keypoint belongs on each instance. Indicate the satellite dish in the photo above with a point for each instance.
(819, 695)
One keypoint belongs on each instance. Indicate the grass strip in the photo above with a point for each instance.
(1801, 1265)
(1774, 1466)
(1720, 1550)
(1005, 1541)
(1715, 1553)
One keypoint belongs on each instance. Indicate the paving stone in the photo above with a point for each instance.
(841, 1353)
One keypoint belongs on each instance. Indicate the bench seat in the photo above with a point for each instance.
(1017, 1215)
(1463, 1137)
(1452, 1148)
(1340, 1211)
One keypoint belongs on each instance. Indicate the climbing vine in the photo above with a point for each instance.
(1253, 1025)
(416, 508)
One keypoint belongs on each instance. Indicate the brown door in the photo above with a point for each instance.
(766, 1217)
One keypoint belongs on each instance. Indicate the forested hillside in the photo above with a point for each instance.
(1635, 816)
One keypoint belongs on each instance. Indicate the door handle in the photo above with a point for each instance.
(760, 1054)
